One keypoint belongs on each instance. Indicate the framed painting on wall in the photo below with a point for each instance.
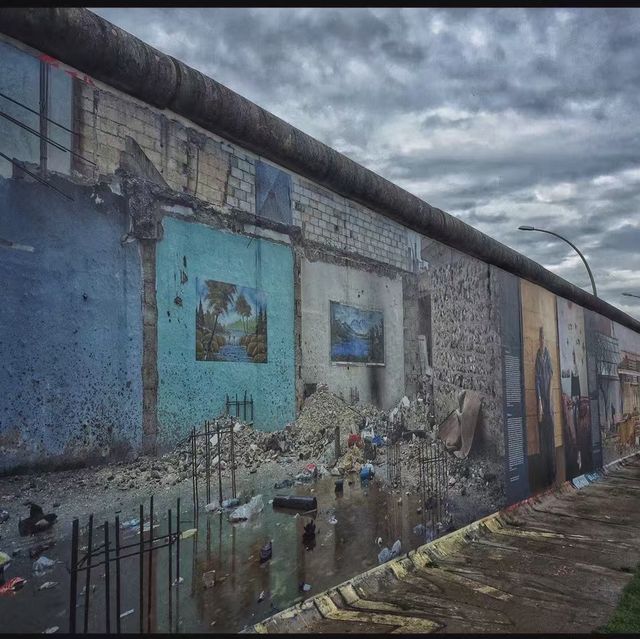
(357, 335)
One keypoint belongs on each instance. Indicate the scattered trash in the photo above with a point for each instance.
(5, 561)
(377, 441)
(384, 555)
(213, 506)
(295, 502)
(209, 579)
(367, 471)
(126, 614)
(42, 565)
(36, 522)
(339, 485)
(354, 440)
(84, 590)
(230, 503)
(47, 585)
(395, 549)
(285, 483)
(247, 511)
(132, 523)
(50, 631)
(332, 520)
(266, 551)
(303, 587)
(304, 478)
(379, 541)
(147, 527)
(309, 529)
(312, 469)
(188, 533)
(4, 515)
(419, 530)
(13, 585)
(177, 582)
(261, 596)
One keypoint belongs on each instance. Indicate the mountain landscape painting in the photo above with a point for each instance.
(357, 335)
(231, 323)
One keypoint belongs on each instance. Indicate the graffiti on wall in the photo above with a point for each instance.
(357, 335)
(542, 387)
(231, 322)
(576, 410)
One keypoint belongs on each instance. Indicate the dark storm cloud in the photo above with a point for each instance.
(500, 116)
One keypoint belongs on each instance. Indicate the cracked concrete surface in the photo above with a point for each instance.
(555, 563)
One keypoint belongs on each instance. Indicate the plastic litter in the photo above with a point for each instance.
(47, 585)
(126, 614)
(50, 631)
(367, 471)
(285, 483)
(177, 582)
(188, 533)
(214, 505)
(395, 549)
(132, 523)
(303, 587)
(266, 552)
(261, 596)
(332, 520)
(384, 555)
(209, 579)
(249, 510)
(419, 530)
(377, 441)
(42, 565)
(38, 549)
(13, 585)
(230, 503)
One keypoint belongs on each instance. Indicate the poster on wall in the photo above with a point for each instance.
(576, 405)
(517, 481)
(231, 322)
(626, 430)
(357, 335)
(542, 375)
(606, 354)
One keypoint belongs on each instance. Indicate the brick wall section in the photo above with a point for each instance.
(466, 341)
(199, 163)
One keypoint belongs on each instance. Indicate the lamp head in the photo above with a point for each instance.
(526, 227)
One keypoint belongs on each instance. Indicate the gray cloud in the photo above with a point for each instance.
(499, 116)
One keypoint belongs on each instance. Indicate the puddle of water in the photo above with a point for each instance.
(364, 512)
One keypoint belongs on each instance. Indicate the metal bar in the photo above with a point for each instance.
(170, 569)
(141, 575)
(24, 106)
(150, 565)
(44, 107)
(35, 177)
(208, 461)
(107, 581)
(22, 125)
(219, 464)
(178, 546)
(73, 587)
(118, 628)
(88, 580)
(233, 463)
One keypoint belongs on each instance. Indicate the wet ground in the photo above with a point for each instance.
(555, 564)
(245, 591)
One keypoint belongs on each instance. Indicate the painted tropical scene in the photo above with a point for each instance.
(231, 323)
(357, 335)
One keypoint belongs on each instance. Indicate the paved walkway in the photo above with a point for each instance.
(556, 563)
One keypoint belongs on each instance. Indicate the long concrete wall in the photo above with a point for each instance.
(218, 269)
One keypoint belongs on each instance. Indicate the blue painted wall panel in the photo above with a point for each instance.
(70, 327)
(192, 391)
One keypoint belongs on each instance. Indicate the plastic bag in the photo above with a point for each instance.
(248, 510)
(42, 565)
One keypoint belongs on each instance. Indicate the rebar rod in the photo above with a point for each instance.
(88, 577)
(73, 585)
(107, 580)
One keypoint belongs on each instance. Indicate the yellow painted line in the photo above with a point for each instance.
(401, 624)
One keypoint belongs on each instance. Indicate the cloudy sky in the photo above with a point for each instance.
(498, 116)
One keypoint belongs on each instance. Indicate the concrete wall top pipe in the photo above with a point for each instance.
(96, 47)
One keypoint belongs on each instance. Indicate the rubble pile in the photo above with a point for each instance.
(313, 434)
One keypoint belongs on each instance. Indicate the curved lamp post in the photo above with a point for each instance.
(573, 246)
(631, 295)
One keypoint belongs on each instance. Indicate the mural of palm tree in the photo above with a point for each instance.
(243, 308)
(219, 297)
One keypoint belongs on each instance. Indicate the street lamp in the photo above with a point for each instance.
(631, 295)
(526, 227)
